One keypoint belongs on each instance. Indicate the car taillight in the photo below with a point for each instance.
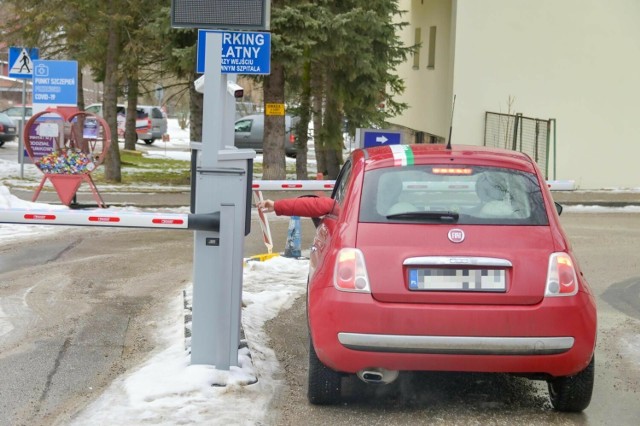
(561, 277)
(351, 272)
(292, 138)
(1, 128)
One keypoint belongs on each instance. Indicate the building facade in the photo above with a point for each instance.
(574, 61)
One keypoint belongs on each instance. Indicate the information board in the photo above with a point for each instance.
(242, 52)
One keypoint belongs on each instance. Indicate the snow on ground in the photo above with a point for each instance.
(166, 389)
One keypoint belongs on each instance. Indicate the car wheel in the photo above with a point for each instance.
(1, 143)
(324, 384)
(149, 141)
(573, 393)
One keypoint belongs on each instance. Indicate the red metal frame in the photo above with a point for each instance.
(67, 184)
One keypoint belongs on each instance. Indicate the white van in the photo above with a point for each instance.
(151, 122)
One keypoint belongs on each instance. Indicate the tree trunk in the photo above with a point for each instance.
(130, 134)
(274, 164)
(318, 102)
(80, 89)
(332, 131)
(302, 128)
(112, 170)
(196, 101)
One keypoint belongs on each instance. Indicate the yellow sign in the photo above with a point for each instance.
(274, 109)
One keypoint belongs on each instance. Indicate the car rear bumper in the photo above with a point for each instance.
(150, 135)
(470, 345)
(352, 332)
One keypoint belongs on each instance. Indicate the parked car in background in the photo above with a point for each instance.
(16, 111)
(8, 129)
(249, 133)
(438, 259)
(151, 122)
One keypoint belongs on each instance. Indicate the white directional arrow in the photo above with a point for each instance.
(381, 139)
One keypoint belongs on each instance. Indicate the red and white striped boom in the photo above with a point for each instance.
(100, 217)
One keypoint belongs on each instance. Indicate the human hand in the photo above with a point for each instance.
(266, 206)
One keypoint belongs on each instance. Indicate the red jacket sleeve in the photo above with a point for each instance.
(304, 206)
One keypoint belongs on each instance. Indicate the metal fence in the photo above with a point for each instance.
(518, 133)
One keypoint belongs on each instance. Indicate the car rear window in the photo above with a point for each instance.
(467, 194)
(156, 113)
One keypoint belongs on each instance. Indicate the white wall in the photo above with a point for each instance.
(428, 91)
(577, 61)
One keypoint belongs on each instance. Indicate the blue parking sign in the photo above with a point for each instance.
(55, 83)
(243, 52)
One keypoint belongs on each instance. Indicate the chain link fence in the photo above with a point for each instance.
(531, 136)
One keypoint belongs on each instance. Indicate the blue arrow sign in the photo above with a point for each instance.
(381, 137)
(243, 52)
(55, 83)
(21, 62)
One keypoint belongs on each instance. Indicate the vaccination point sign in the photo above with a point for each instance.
(242, 52)
(55, 83)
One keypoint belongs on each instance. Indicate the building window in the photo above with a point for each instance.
(431, 64)
(416, 53)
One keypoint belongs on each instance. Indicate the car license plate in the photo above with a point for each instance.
(446, 279)
(11, 129)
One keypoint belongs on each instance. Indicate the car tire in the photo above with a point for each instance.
(573, 393)
(1, 143)
(325, 385)
(149, 141)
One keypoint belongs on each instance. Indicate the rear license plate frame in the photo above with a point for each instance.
(483, 280)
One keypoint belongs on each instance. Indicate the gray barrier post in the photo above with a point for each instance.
(223, 179)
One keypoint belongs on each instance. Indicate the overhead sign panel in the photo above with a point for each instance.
(55, 83)
(242, 52)
(21, 62)
(377, 137)
(221, 14)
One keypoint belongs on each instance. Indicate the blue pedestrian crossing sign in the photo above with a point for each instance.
(21, 62)
(368, 138)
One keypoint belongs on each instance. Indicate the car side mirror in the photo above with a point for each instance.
(558, 208)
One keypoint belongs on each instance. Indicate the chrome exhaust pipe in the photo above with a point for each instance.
(378, 376)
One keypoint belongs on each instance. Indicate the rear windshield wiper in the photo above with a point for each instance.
(426, 215)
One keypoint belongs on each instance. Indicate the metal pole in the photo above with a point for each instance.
(514, 143)
(555, 159)
(21, 129)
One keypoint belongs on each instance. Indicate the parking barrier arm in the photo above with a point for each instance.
(123, 219)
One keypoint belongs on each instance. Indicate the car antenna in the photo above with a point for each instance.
(453, 108)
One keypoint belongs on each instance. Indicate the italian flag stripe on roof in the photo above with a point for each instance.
(402, 155)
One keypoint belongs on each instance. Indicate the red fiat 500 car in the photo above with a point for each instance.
(439, 259)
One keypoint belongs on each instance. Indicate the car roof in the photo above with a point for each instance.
(390, 155)
(16, 107)
(124, 106)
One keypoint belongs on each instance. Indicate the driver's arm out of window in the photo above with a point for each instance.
(304, 206)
